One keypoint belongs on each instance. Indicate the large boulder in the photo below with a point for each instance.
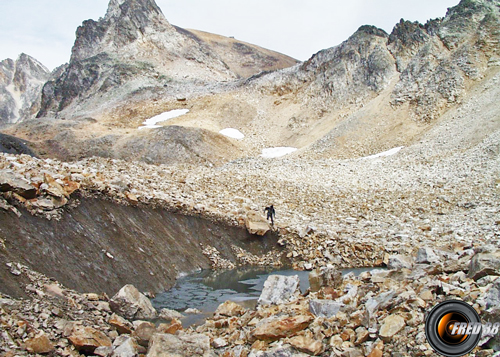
(325, 276)
(275, 329)
(10, 181)
(400, 261)
(324, 308)
(391, 326)
(256, 224)
(166, 345)
(279, 289)
(426, 255)
(132, 304)
(87, 339)
(230, 309)
(483, 264)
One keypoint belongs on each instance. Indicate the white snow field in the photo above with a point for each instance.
(151, 122)
(383, 154)
(271, 153)
(232, 133)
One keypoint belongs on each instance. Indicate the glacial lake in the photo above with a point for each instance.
(207, 289)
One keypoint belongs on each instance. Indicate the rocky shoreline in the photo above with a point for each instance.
(381, 313)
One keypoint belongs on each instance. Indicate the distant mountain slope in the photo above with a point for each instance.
(373, 92)
(134, 49)
(20, 84)
(243, 58)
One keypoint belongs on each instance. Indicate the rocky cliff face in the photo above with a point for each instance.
(432, 64)
(135, 49)
(20, 84)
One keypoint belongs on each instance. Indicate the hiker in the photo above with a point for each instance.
(271, 213)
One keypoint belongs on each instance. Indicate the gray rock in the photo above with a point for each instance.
(166, 345)
(426, 256)
(279, 289)
(125, 346)
(10, 181)
(168, 314)
(483, 264)
(493, 295)
(399, 262)
(380, 301)
(325, 276)
(131, 304)
(324, 308)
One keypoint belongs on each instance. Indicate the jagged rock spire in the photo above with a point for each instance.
(125, 22)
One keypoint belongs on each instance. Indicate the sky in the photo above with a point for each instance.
(45, 29)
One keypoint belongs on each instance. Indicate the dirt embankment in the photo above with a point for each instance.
(101, 246)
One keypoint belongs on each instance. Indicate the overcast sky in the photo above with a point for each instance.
(45, 29)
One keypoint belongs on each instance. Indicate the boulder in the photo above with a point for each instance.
(131, 304)
(10, 181)
(279, 289)
(493, 295)
(168, 314)
(144, 332)
(256, 224)
(174, 326)
(392, 325)
(399, 262)
(282, 327)
(39, 344)
(380, 301)
(230, 309)
(426, 255)
(324, 308)
(328, 276)
(87, 339)
(166, 345)
(483, 264)
(122, 325)
(125, 346)
(307, 344)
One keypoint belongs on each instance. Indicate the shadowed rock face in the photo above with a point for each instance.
(145, 247)
(13, 145)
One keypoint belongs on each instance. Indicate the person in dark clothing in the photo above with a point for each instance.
(271, 213)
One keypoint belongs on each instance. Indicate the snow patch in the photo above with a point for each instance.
(232, 133)
(151, 122)
(383, 154)
(271, 153)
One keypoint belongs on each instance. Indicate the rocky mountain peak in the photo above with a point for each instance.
(20, 84)
(132, 8)
(126, 22)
